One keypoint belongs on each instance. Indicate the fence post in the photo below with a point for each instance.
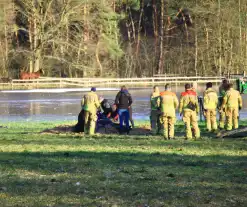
(200, 100)
(176, 82)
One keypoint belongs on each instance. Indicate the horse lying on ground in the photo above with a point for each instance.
(34, 75)
(5, 80)
(102, 123)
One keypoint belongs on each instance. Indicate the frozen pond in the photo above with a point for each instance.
(50, 105)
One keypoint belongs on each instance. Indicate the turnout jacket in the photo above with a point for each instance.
(232, 99)
(187, 99)
(90, 102)
(210, 99)
(169, 103)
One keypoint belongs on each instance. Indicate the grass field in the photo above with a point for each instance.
(110, 170)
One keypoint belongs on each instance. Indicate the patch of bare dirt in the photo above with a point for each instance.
(108, 129)
(59, 130)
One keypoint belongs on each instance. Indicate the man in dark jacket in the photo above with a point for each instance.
(123, 101)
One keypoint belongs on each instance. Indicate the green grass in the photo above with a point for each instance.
(110, 170)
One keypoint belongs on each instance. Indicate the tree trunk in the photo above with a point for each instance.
(161, 47)
(155, 26)
(139, 27)
(240, 28)
(98, 60)
(220, 37)
(196, 46)
(6, 41)
(196, 52)
(207, 43)
(31, 44)
(132, 24)
(36, 48)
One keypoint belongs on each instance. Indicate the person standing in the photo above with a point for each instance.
(155, 110)
(123, 101)
(222, 114)
(169, 104)
(189, 109)
(210, 102)
(131, 117)
(90, 104)
(232, 103)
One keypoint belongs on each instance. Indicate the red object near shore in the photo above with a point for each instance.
(34, 75)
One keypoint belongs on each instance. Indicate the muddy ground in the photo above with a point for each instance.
(108, 129)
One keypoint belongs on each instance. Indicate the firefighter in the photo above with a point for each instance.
(155, 110)
(189, 109)
(222, 114)
(169, 104)
(90, 104)
(210, 102)
(232, 103)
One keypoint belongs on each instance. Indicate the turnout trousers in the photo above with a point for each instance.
(155, 121)
(190, 119)
(90, 122)
(222, 119)
(210, 115)
(232, 115)
(168, 126)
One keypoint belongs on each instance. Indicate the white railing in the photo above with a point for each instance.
(87, 82)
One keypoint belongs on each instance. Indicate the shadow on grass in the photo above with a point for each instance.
(125, 179)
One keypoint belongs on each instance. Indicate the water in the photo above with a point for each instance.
(50, 105)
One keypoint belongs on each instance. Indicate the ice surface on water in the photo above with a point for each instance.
(50, 106)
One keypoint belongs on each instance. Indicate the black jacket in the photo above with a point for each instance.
(123, 99)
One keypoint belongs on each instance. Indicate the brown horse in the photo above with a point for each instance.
(34, 75)
(5, 80)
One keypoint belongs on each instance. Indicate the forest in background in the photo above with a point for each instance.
(123, 38)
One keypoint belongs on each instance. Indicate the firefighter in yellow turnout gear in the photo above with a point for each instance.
(189, 108)
(169, 104)
(155, 110)
(210, 102)
(232, 103)
(90, 104)
(222, 93)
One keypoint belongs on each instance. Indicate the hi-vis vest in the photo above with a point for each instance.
(155, 101)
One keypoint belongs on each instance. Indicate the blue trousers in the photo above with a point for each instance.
(124, 117)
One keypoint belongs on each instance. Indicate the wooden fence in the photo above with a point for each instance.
(47, 82)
